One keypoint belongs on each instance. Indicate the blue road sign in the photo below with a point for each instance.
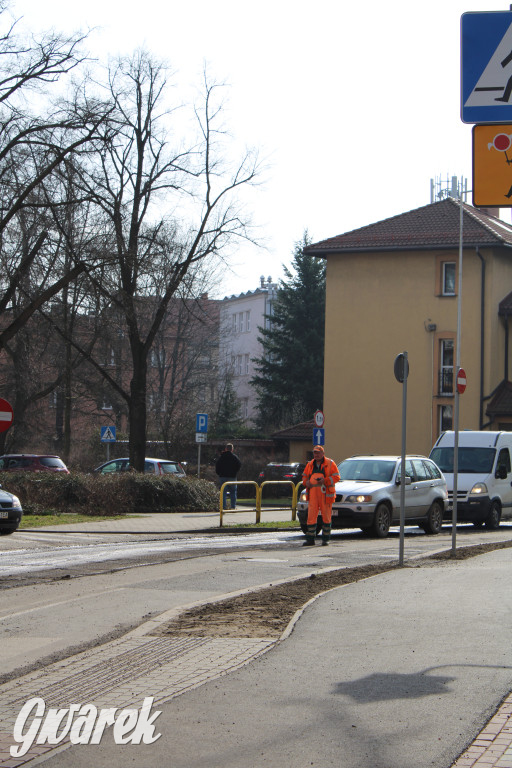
(201, 422)
(319, 436)
(108, 434)
(486, 67)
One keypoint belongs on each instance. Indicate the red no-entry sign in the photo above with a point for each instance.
(461, 381)
(6, 415)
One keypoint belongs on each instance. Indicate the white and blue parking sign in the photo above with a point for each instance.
(201, 422)
(486, 67)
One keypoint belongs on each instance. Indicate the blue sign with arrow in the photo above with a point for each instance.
(319, 436)
(486, 67)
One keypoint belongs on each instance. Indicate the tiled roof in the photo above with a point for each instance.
(430, 227)
(303, 431)
(501, 403)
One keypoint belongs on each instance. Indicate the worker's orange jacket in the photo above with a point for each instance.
(329, 470)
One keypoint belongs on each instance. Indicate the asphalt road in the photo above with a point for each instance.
(98, 592)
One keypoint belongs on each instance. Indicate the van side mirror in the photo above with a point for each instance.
(501, 473)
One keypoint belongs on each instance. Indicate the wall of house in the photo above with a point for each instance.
(239, 342)
(381, 304)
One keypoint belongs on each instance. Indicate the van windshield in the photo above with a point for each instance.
(471, 460)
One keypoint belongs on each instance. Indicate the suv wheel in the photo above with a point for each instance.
(434, 521)
(381, 521)
(494, 517)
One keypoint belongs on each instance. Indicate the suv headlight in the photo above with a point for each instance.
(478, 489)
(16, 503)
(358, 499)
(302, 496)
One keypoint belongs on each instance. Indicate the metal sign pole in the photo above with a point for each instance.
(401, 368)
(456, 390)
(199, 459)
(402, 483)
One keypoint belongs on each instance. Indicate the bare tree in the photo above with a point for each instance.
(33, 146)
(169, 209)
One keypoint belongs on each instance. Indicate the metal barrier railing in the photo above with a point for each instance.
(259, 492)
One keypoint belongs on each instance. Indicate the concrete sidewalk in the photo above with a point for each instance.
(402, 670)
(172, 522)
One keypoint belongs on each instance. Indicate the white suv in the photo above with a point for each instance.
(368, 495)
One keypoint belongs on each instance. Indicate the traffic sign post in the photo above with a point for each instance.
(201, 436)
(108, 435)
(319, 436)
(6, 415)
(401, 370)
(486, 67)
(461, 381)
(492, 156)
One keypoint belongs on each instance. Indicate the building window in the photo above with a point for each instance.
(446, 367)
(248, 320)
(445, 417)
(239, 365)
(448, 278)
(241, 322)
(244, 406)
(246, 364)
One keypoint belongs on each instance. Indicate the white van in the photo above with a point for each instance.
(484, 481)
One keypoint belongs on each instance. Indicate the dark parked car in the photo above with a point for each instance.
(10, 513)
(31, 462)
(151, 466)
(281, 471)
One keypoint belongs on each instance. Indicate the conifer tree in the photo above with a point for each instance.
(290, 372)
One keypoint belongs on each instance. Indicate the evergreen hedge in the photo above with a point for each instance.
(113, 494)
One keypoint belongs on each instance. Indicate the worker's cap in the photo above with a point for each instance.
(318, 448)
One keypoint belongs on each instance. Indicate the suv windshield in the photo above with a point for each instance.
(379, 470)
(471, 460)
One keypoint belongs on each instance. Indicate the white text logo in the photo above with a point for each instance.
(82, 724)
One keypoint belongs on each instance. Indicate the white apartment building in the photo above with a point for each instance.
(240, 318)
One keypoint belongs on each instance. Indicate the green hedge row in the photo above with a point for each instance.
(116, 494)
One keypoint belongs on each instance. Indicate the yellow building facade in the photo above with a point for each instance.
(392, 287)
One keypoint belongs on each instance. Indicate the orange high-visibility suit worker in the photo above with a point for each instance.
(319, 478)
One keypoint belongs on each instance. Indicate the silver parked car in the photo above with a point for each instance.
(368, 495)
(151, 466)
(10, 513)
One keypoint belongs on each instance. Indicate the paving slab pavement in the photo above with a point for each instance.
(403, 670)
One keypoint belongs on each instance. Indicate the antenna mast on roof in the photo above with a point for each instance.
(451, 186)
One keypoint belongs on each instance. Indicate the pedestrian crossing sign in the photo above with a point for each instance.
(486, 67)
(108, 434)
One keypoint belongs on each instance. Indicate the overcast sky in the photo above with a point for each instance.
(355, 106)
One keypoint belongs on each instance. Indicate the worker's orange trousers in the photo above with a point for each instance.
(318, 504)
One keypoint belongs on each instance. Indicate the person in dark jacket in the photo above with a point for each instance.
(227, 467)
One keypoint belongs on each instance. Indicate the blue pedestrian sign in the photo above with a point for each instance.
(486, 67)
(319, 436)
(108, 434)
(201, 422)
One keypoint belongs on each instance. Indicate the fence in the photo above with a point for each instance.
(259, 492)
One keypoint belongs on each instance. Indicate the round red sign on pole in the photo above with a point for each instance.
(319, 418)
(6, 415)
(461, 381)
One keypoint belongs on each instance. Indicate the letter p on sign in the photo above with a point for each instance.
(201, 422)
